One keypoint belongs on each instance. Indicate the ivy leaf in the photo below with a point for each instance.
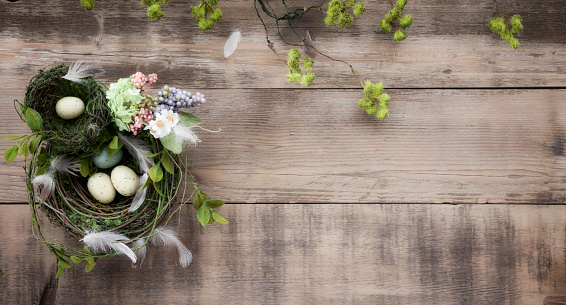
(219, 218)
(34, 120)
(91, 263)
(168, 164)
(215, 203)
(188, 119)
(25, 149)
(85, 167)
(76, 259)
(64, 263)
(156, 173)
(157, 188)
(203, 215)
(170, 142)
(197, 202)
(114, 146)
(11, 153)
(150, 155)
(13, 137)
(34, 144)
(59, 272)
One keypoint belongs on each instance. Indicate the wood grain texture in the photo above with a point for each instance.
(450, 45)
(320, 254)
(312, 146)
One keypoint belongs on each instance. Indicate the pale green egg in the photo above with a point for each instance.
(103, 160)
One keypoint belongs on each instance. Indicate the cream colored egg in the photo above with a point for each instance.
(69, 107)
(101, 188)
(125, 180)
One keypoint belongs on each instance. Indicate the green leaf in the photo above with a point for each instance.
(63, 263)
(90, 265)
(157, 188)
(34, 120)
(87, 251)
(59, 272)
(85, 167)
(168, 164)
(203, 215)
(11, 153)
(114, 143)
(147, 181)
(188, 119)
(170, 142)
(34, 144)
(25, 148)
(156, 173)
(150, 155)
(76, 259)
(215, 203)
(13, 137)
(197, 202)
(219, 218)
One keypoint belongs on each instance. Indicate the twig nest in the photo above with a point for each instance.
(69, 107)
(101, 188)
(125, 180)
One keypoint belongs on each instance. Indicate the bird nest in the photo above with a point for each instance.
(67, 136)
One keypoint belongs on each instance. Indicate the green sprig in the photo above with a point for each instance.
(337, 12)
(206, 14)
(396, 18)
(507, 30)
(296, 75)
(375, 101)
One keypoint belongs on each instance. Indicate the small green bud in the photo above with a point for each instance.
(212, 2)
(385, 26)
(497, 25)
(369, 88)
(359, 9)
(401, 4)
(406, 21)
(351, 2)
(382, 113)
(367, 105)
(164, 1)
(379, 88)
(516, 24)
(148, 2)
(393, 15)
(205, 24)
(155, 12)
(345, 20)
(399, 35)
(330, 19)
(293, 77)
(293, 59)
(384, 99)
(307, 79)
(308, 63)
(198, 11)
(216, 15)
(87, 4)
(514, 43)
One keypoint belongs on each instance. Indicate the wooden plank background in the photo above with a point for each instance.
(472, 121)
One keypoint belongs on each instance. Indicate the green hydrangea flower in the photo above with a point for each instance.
(123, 99)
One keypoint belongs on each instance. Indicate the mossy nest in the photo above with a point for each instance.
(67, 136)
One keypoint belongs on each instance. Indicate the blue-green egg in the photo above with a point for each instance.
(103, 160)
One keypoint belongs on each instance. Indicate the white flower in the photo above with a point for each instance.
(171, 117)
(163, 123)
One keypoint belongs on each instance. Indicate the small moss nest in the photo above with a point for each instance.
(68, 136)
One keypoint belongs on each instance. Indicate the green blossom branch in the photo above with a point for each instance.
(506, 29)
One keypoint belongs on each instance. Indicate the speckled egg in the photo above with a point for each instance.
(101, 188)
(103, 160)
(69, 107)
(125, 180)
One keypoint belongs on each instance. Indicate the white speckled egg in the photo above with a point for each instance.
(103, 160)
(124, 180)
(101, 188)
(69, 107)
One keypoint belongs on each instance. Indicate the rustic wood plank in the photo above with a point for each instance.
(321, 254)
(449, 46)
(309, 146)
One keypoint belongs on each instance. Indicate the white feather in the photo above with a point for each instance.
(139, 198)
(105, 241)
(77, 72)
(232, 43)
(64, 164)
(184, 135)
(60, 164)
(137, 148)
(141, 252)
(168, 238)
(47, 185)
